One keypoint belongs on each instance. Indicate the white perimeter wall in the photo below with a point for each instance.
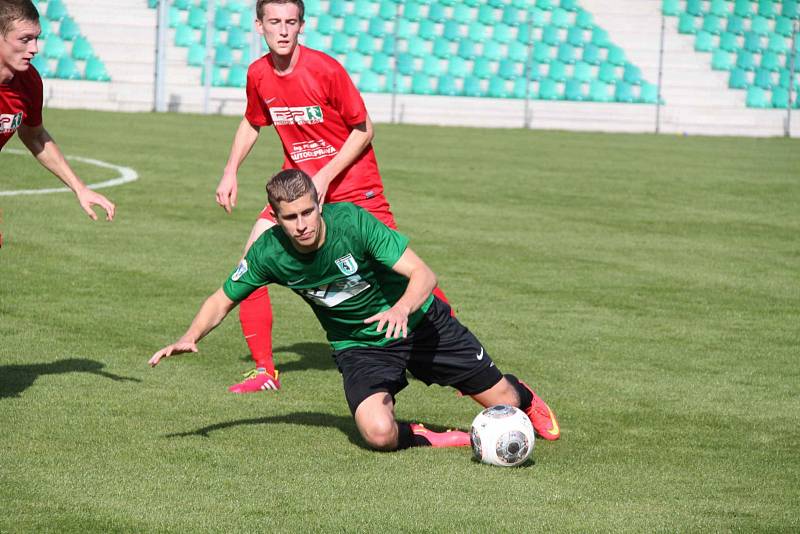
(697, 99)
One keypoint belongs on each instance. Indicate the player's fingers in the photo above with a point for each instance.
(110, 209)
(155, 359)
(372, 319)
(89, 211)
(234, 196)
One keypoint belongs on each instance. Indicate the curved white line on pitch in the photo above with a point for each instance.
(126, 174)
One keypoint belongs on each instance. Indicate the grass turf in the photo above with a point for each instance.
(646, 286)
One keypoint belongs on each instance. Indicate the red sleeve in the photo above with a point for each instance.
(36, 91)
(256, 113)
(345, 98)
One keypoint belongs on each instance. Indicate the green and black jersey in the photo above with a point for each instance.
(349, 279)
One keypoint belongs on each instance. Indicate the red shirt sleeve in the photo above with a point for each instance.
(36, 91)
(257, 112)
(345, 98)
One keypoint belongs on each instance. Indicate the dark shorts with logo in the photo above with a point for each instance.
(440, 350)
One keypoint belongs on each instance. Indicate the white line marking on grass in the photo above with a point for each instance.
(126, 175)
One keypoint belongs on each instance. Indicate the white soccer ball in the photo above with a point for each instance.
(502, 435)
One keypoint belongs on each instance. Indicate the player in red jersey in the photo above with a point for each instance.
(325, 131)
(21, 100)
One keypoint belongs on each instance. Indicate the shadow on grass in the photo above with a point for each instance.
(312, 356)
(14, 379)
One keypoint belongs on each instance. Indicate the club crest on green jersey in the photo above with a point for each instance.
(347, 264)
(240, 270)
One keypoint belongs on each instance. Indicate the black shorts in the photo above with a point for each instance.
(440, 350)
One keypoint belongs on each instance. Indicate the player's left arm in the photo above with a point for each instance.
(421, 281)
(359, 139)
(46, 151)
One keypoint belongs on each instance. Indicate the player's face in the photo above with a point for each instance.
(302, 221)
(19, 45)
(280, 27)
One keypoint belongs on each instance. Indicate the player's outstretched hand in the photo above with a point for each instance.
(180, 347)
(88, 198)
(395, 321)
(227, 192)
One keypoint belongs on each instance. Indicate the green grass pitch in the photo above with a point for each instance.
(647, 286)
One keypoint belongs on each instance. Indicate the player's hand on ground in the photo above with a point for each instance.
(227, 192)
(394, 319)
(180, 347)
(88, 198)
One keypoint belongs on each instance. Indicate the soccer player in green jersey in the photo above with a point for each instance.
(372, 295)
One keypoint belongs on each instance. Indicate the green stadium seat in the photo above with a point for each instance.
(766, 9)
(43, 66)
(217, 77)
(600, 91)
(352, 25)
(584, 20)
(486, 14)
(607, 72)
(729, 42)
(458, 67)
(477, 31)
(446, 86)
(388, 10)
(744, 60)
(311, 38)
(46, 27)
(582, 71)
(405, 64)
(197, 55)
(760, 25)
(54, 47)
(575, 36)
(525, 34)
(712, 24)
(340, 44)
(551, 35)
(560, 18)
(197, 18)
(68, 29)
(437, 12)
(536, 71)
(502, 33)
(517, 51)
(543, 53)
(403, 29)
(67, 69)
(441, 48)
(184, 35)
(498, 88)
(780, 98)
(783, 26)
(566, 53)
(757, 98)
(771, 61)
(784, 77)
(623, 92)
(462, 14)
(570, 5)
(376, 27)
(648, 94)
(337, 8)
(573, 90)
(81, 48)
(752, 42)
(239, 40)
(522, 89)
(412, 11)
(96, 71)
(56, 10)
(418, 47)
(538, 17)
(431, 65)
(507, 69)
(389, 45)
(548, 90)
(152, 4)
(763, 79)
(591, 54)
(694, 7)
(703, 41)
(326, 24)
(721, 60)
(365, 44)
(313, 8)
(466, 48)
(381, 63)
(632, 74)
(616, 55)
(777, 43)
(223, 56)
(720, 8)
(735, 25)
(512, 16)
(237, 76)
(686, 24)
(355, 63)
(472, 86)
(790, 10)
(364, 8)
(183, 5)
(482, 68)
(557, 71)
(600, 37)
(452, 30)
(741, 8)
(427, 30)
(492, 50)
(222, 19)
(738, 79)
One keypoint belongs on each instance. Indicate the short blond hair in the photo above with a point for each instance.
(13, 10)
(289, 185)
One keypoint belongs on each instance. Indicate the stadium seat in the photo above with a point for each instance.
(760, 25)
(557, 71)
(632, 74)
(623, 92)
(403, 29)
(174, 17)
(462, 14)
(591, 54)
(96, 70)
(584, 20)
(575, 36)
(238, 39)
(56, 10)
(355, 63)
(763, 79)
(512, 16)
(412, 11)
(600, 37)
(780, 98)
(648, 93)
(741, 8)
(719, 8)
(340, 43)
(418, 47)
(790, 9)
(67, 69)
(326, 24)
(569, 5)
(486, 14)
(522, 89)
(744, 60)
(566, 53)
(183, 5)
(389, 44)
(184, 35)
(616, 55)
(542, 53)
(376, 27)
(68, 29)
(721, 60)
(712, 24)
(197, 18)
(777, 43)
(507, 69)
(686, 24)
(432, 65)
(560, 18)
(607, 72)
(548, 90)
(81, 48)
(477, 31)
(703, 41)
(54, 47)
(498, 88)
(729, 42)
(770, 60)
(738, 79)
(547, 5)
(441, 48)
(197, 55)
(352, 25)
(466, 48)
(405, 64)
(766, 9)
(437, 13)
(388, 10)
(517, 51)
(492, 50)
(43, 66)
(472, 86)
(313, 8)
(502, 33)
(446, 86)
(551, 35)
(694, 7)
(381, 63)
(337, 8)
(752, 42)
(600, 91)
(783, 26)
(427, 30)
(482, 68)
(222, 19)
(223, 56)
(757, 98)
(365, 44)
(237, 76)
(735, 25)
(364, 8)
(573, 90)
(217, 78)
(582, 71)
(538, 18)
(457, 67)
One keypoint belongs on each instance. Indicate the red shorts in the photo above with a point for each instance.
(377, 205)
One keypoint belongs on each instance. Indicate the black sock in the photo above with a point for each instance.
(525, 396)
(406, 437)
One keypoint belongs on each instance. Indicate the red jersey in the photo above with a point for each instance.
(314, 109)
(20, 103)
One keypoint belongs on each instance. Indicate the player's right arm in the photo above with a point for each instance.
(212, 312)
(227, 190)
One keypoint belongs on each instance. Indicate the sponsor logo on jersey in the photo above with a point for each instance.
(347, 264)
(240, 270)
(307, 150)
(336, 292)
(296, 115)
(9, 122)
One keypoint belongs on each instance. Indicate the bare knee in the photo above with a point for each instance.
(501, 393)
(380, 434)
